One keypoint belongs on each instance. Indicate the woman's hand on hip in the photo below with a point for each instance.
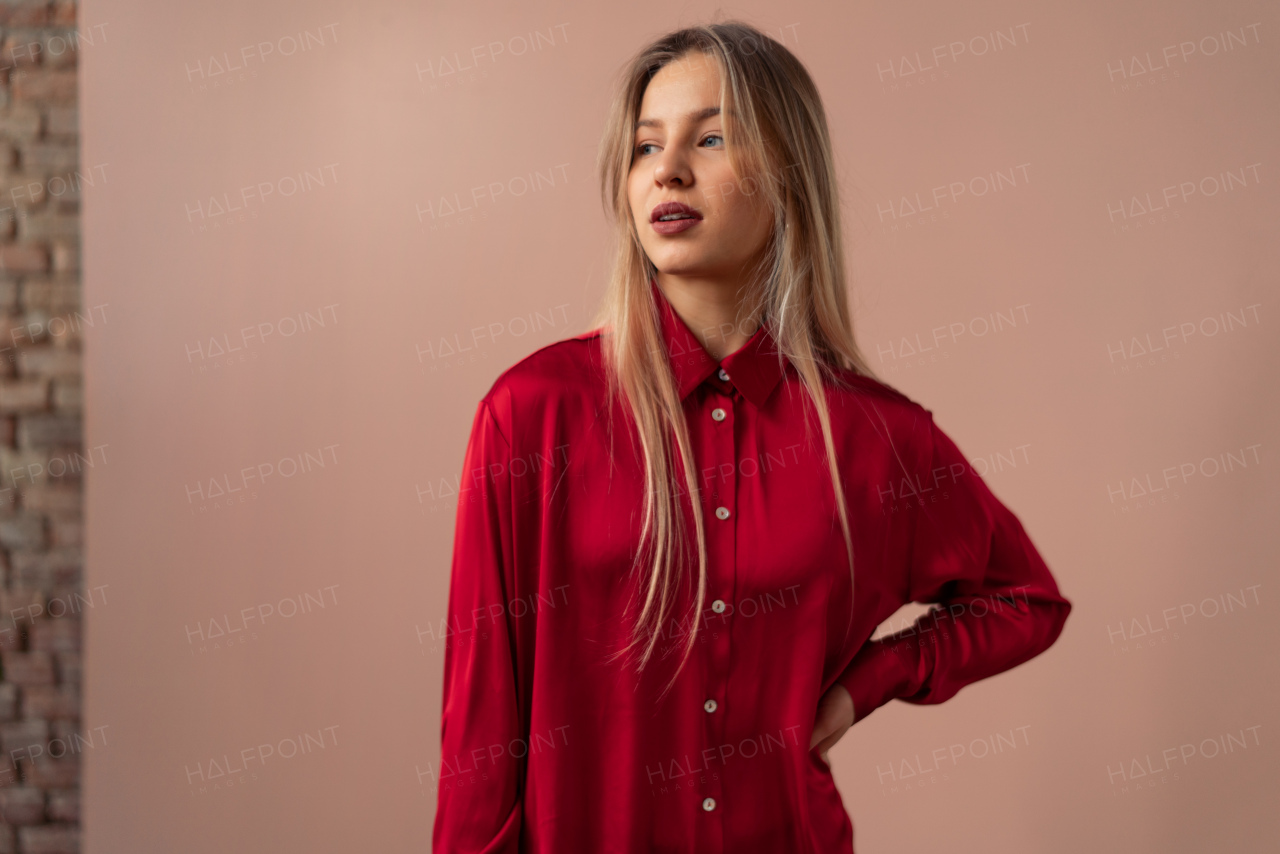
(835, 716)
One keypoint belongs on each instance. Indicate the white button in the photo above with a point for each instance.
(718, 606)
(709, 804)
(722, 512)
(717, 414)
(709, 705)
(723, 375)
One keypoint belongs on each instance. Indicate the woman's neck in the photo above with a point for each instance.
(709, 307)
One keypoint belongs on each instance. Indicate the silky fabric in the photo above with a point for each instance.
(551, 743)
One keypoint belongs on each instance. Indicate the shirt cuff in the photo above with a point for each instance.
(880, 672)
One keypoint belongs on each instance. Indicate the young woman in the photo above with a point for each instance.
(680, 530)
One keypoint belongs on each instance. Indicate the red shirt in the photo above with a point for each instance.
(548, 747)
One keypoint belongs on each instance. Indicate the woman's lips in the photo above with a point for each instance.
(675, 226)
(678, 217)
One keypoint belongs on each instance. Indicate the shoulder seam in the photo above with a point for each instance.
(875, 385)
(529, 356)
(499, 382)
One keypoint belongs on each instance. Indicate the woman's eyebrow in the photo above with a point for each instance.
(696, 116)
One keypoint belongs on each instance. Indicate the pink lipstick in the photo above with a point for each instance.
(673, 218)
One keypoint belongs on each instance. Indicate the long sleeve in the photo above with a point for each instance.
(480, 782)
(996, 602)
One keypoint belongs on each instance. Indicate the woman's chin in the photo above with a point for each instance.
(683, 265)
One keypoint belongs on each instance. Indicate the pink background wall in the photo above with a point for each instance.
(301, 208)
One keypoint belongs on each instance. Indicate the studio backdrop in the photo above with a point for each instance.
(319, 231)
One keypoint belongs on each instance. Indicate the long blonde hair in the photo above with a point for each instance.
(776, 138)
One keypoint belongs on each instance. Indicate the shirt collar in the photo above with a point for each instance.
(754, 368)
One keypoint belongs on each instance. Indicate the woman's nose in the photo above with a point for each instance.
(673, 168)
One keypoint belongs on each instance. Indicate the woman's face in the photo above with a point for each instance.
(679, 163)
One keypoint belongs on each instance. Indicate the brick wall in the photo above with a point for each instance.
(42, 461)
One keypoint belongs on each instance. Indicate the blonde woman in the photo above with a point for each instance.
(679, 531)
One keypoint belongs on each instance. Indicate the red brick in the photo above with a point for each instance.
(21, 805)
(24, 739)
(24, 395)
(23, 258)
(50, 773)
(29, 14)
(46, 570)
(64, 330)
(51, 702)
(21, 49)
(49, 362)
(45, 431)
(51, 499)
(52, 48)
(43, 85)
(21, 604)
(48, 226)
(55, 296)
(28, 668)
(23, 531)
(57, 635)
(21, 191)
(49, 156)
(20, 121)
(49, 839)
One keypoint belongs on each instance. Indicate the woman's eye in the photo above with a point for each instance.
(715, 137)
(640, 149)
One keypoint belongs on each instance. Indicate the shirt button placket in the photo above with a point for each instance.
(722, 566)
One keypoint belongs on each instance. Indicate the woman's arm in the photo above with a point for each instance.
(480, 783)
(997, 602)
